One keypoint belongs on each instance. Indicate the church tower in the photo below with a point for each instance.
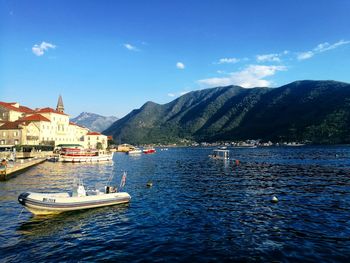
(60, 107)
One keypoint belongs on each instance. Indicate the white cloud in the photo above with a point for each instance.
(305, 55)
(228, 61)
(326, 46)
(39, 50)
(130, 47)
(251, 76)
(268, 58)
(177, 94)
(180, 65)
(273, 57)
(320, 48)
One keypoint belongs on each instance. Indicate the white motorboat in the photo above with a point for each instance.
(53, 203)
(220, 154)
(135, 151)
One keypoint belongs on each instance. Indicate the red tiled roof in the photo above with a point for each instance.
(12, 125)
(25, 109)
(48, 110)
(11, 107)
(34, 117)
(93, 133)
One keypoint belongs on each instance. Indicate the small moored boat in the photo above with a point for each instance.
(53, 203)
(220, 154)
(149, 150)
(135, 151)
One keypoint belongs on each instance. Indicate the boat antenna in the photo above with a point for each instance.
(110, 178)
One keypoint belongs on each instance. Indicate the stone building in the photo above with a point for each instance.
(94, 139)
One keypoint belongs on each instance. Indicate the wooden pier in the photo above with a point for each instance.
(19, 166)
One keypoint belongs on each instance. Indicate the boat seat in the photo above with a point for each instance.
(93, 192)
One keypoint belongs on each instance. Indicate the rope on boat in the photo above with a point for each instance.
(20, 213)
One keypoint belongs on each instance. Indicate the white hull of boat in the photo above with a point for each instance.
(86, 159)
(245, 147)
(218, 157)
(44, 204)
(134, 152)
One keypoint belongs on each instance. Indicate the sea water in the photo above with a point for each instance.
(197, 209)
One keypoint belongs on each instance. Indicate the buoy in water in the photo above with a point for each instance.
(149, 184)
(237, 162)
(274, 199)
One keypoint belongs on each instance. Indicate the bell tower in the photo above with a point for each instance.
(60, 107)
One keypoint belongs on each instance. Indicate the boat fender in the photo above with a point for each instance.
(22, 198)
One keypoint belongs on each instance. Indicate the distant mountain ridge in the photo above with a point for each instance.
(94, 121)
(316, 111)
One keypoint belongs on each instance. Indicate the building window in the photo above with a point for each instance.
(16, 142)
(2, 142)
(4, 134)
(15, 133)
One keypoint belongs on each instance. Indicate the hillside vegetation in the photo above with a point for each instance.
(315, 111)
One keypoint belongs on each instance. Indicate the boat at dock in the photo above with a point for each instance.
(221, 153)
(135, 151)
(149, 150)
(80, 198)
(245, 147)
(77, 155)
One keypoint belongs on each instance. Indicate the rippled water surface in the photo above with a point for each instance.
(198, 209)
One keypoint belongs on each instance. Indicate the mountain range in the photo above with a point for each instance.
(314, 111)
(93, 121)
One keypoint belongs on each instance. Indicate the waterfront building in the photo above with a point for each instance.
(125, 147)
(21, 125)
(19, 132)
(95, 140)
(12, 111)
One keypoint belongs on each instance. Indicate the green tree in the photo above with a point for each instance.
(99, 146)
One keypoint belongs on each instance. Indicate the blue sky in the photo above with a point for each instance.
(110, 57)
